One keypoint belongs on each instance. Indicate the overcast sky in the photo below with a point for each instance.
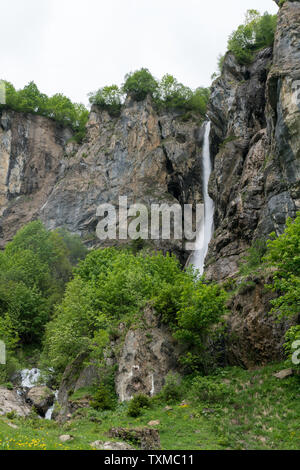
(75, 47)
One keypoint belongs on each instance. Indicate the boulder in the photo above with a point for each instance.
(283, 374)
(10, 401)
(108, 445)
(41, 397)
(145, 438)
(66, 438)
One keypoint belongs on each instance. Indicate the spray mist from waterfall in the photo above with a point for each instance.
(205, 230)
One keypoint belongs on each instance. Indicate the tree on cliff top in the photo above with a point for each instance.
(256, 33)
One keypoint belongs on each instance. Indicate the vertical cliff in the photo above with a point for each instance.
(255, 114)
(147, 156)
(255, 144)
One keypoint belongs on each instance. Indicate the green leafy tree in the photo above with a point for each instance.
(256, 33)
(110, 286)
(109, 98)
(34, 268)
(284, 254)
(58, 107)
(139, 84)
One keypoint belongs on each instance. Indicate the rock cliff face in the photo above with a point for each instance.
(31, 151)
(255, 114)
(153, 157)
(147, 157)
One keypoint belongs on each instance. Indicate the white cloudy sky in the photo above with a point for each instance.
(77, 46)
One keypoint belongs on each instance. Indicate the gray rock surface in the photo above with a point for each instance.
(10, 401)
(147, 356)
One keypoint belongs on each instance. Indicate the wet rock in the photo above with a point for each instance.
(41, 398)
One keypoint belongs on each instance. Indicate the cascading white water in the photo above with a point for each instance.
(206, 228)
(29, 377)
(50, 410)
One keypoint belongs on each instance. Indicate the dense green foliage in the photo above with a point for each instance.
(34, 269)
(256, 33)
(284, 254)
(139, 84)
(109, 98)
(110, 286)
(137, 405)
(278, 261)
(57, 107)
(166, 93)
(255, 411)
(103, 399)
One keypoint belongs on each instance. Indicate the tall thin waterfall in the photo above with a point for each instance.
(206, 228)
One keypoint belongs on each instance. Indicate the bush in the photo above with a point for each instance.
(57, 107)
(254, 257)
(103, 399)
(207, 389)
(171, 391)
(109, 98)
(256, 33)
(137, 404)
(139, 84)
(111, 285)
(34, 269)
(283, 254)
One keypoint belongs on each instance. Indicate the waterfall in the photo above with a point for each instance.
(50, 410)
(29, 377)
(206, 228)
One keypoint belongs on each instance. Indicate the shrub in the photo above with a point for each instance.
(34, 268)
(103, 399)
(57, 107)
(137, 404)
(207, 389)
(256, 33)
(139, 84)
(109, 98)
(254, 257)
(283, 254)
(171, 391)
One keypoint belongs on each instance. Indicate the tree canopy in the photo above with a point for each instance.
(256, 33)
(57, 107)
(167, 93)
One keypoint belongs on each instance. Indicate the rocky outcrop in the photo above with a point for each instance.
(77, 375)
(253, 335)
(31, 151)
(255, 114)
(11, 402)
(147, 156)
(145, 438)
(42, 398)
(148, 354)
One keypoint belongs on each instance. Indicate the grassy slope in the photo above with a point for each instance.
(260, 412)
